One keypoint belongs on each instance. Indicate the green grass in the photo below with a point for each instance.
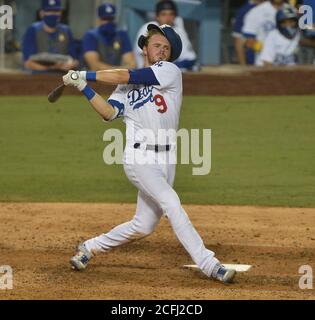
(263, 152)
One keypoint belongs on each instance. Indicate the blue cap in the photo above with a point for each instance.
(106, 11)
(51, 5)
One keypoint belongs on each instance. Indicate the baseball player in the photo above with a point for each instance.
(244, 55)
(51, 37)
(147, 98)
(281, 44)
(106, 46)
(258, 23)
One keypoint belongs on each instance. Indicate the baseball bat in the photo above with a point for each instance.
(55, 94)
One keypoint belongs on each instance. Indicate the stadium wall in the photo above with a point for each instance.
(213, 82)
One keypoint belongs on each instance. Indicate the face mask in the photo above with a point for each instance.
(52, 20)
(108, 29)
(289, 32)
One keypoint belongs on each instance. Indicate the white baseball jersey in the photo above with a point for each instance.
(279, 50)
(188, 52)
(259, 22)
(151, 107)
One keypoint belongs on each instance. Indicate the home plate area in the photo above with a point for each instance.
(236, 267)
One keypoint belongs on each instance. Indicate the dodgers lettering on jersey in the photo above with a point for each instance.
(139, 97)
(151, 107)
(280, 50)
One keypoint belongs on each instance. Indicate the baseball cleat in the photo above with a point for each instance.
(81, 259)
(224, 275)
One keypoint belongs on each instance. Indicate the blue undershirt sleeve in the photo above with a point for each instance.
(144, 76)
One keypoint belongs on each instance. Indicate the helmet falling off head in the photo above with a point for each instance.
(169, 33)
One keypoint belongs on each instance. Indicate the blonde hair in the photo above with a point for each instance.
(149, 35)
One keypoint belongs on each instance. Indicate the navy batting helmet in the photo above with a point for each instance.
(287, 12)
(170, 34)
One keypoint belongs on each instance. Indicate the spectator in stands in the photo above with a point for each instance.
(281, 44)
(48, 44)
(258, 23)
(105, 46)
(166, 13)
(245, 56)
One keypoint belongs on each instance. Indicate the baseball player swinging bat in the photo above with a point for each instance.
(56, 93)
(147, 98)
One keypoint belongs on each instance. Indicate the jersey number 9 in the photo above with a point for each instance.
(160, 102)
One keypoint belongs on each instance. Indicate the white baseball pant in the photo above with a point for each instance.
(155, 197)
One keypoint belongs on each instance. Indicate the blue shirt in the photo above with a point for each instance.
(90, 40)
(30, 44)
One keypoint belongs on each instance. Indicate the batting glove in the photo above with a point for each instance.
(76, 79)
(72, 78)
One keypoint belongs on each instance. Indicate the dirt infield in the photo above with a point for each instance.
(214, 81)
(38, 239)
